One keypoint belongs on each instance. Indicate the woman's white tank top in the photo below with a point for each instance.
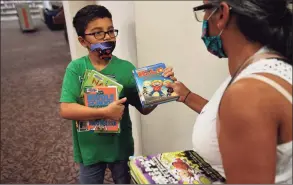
(204, 138)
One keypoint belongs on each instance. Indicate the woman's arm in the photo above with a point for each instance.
(248, 128)
(192, 100)
(195, 102)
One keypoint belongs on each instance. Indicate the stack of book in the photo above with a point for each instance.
(98, 90)
(182, 167)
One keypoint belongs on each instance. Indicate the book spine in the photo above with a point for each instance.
(135, 76)
(159, 102)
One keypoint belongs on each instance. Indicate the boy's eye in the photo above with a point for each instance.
(111, 32)
(99, 33)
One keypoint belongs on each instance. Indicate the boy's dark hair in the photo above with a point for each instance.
(266, 21)
(88, 14)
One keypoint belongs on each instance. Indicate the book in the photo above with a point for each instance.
(182, 167)
(151, 85)
(99, 97)
(93, 78)
(90, 81)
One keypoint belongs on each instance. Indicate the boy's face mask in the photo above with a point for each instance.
(104, 49)
(213, 43)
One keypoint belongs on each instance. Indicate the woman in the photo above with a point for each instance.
(245, 130)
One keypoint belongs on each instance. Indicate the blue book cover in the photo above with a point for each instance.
(98, 97)
(151, 85)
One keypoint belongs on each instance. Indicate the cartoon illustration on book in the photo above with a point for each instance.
(169, 90)
(151, 85)
(190, 167)
(99, 128)
(145, 91)
(157, 87)
(186, 173)
(181, 167)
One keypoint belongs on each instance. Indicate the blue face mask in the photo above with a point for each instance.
(104, 49)
(213, 43)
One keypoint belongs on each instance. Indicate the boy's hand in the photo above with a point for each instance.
(168, 72)
(115, 110)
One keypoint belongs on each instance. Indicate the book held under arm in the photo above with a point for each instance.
(97, 91)
(93, 78)
(99, 97)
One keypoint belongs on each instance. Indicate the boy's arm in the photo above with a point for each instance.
(74, 111)
(133, 99)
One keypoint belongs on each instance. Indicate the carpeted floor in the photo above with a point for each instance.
(36, 144)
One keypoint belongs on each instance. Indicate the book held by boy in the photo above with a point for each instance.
(98, 90)
(99, 97)
(151, 85)
(93, 78)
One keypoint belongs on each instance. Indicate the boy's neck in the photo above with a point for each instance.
(98, 63)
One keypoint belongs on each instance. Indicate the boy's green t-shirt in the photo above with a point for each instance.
(90, 147)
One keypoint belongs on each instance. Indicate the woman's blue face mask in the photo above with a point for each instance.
(213, 43)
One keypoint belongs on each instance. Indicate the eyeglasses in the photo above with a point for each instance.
(199, 11)
(100, 35)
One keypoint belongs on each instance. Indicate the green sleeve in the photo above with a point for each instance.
(70, 87)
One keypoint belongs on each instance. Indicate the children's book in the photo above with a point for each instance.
(151, 85)
(99, 97)
(93, 78)
(182, 167)
(92, 86)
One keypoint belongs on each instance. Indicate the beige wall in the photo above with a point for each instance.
(70, 9)
(167, 31)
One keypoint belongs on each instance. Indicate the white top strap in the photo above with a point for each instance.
(275, 85)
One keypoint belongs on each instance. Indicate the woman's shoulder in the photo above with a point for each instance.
(271, 66)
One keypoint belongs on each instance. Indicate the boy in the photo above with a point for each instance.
(96, 152)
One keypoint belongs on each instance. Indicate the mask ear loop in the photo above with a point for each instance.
(221, 32)
(224, 28)
(212, 13)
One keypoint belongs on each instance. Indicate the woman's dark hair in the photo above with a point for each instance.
(268, 22)
(88, 14)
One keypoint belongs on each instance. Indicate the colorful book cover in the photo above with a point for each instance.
(182, 167)
(151, 85)
(99, 97)
(93, 78)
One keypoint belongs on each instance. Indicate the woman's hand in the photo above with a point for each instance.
(180, 89)
(169, 73)
(192, 100)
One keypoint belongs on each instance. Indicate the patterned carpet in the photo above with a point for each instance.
(36, 144)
